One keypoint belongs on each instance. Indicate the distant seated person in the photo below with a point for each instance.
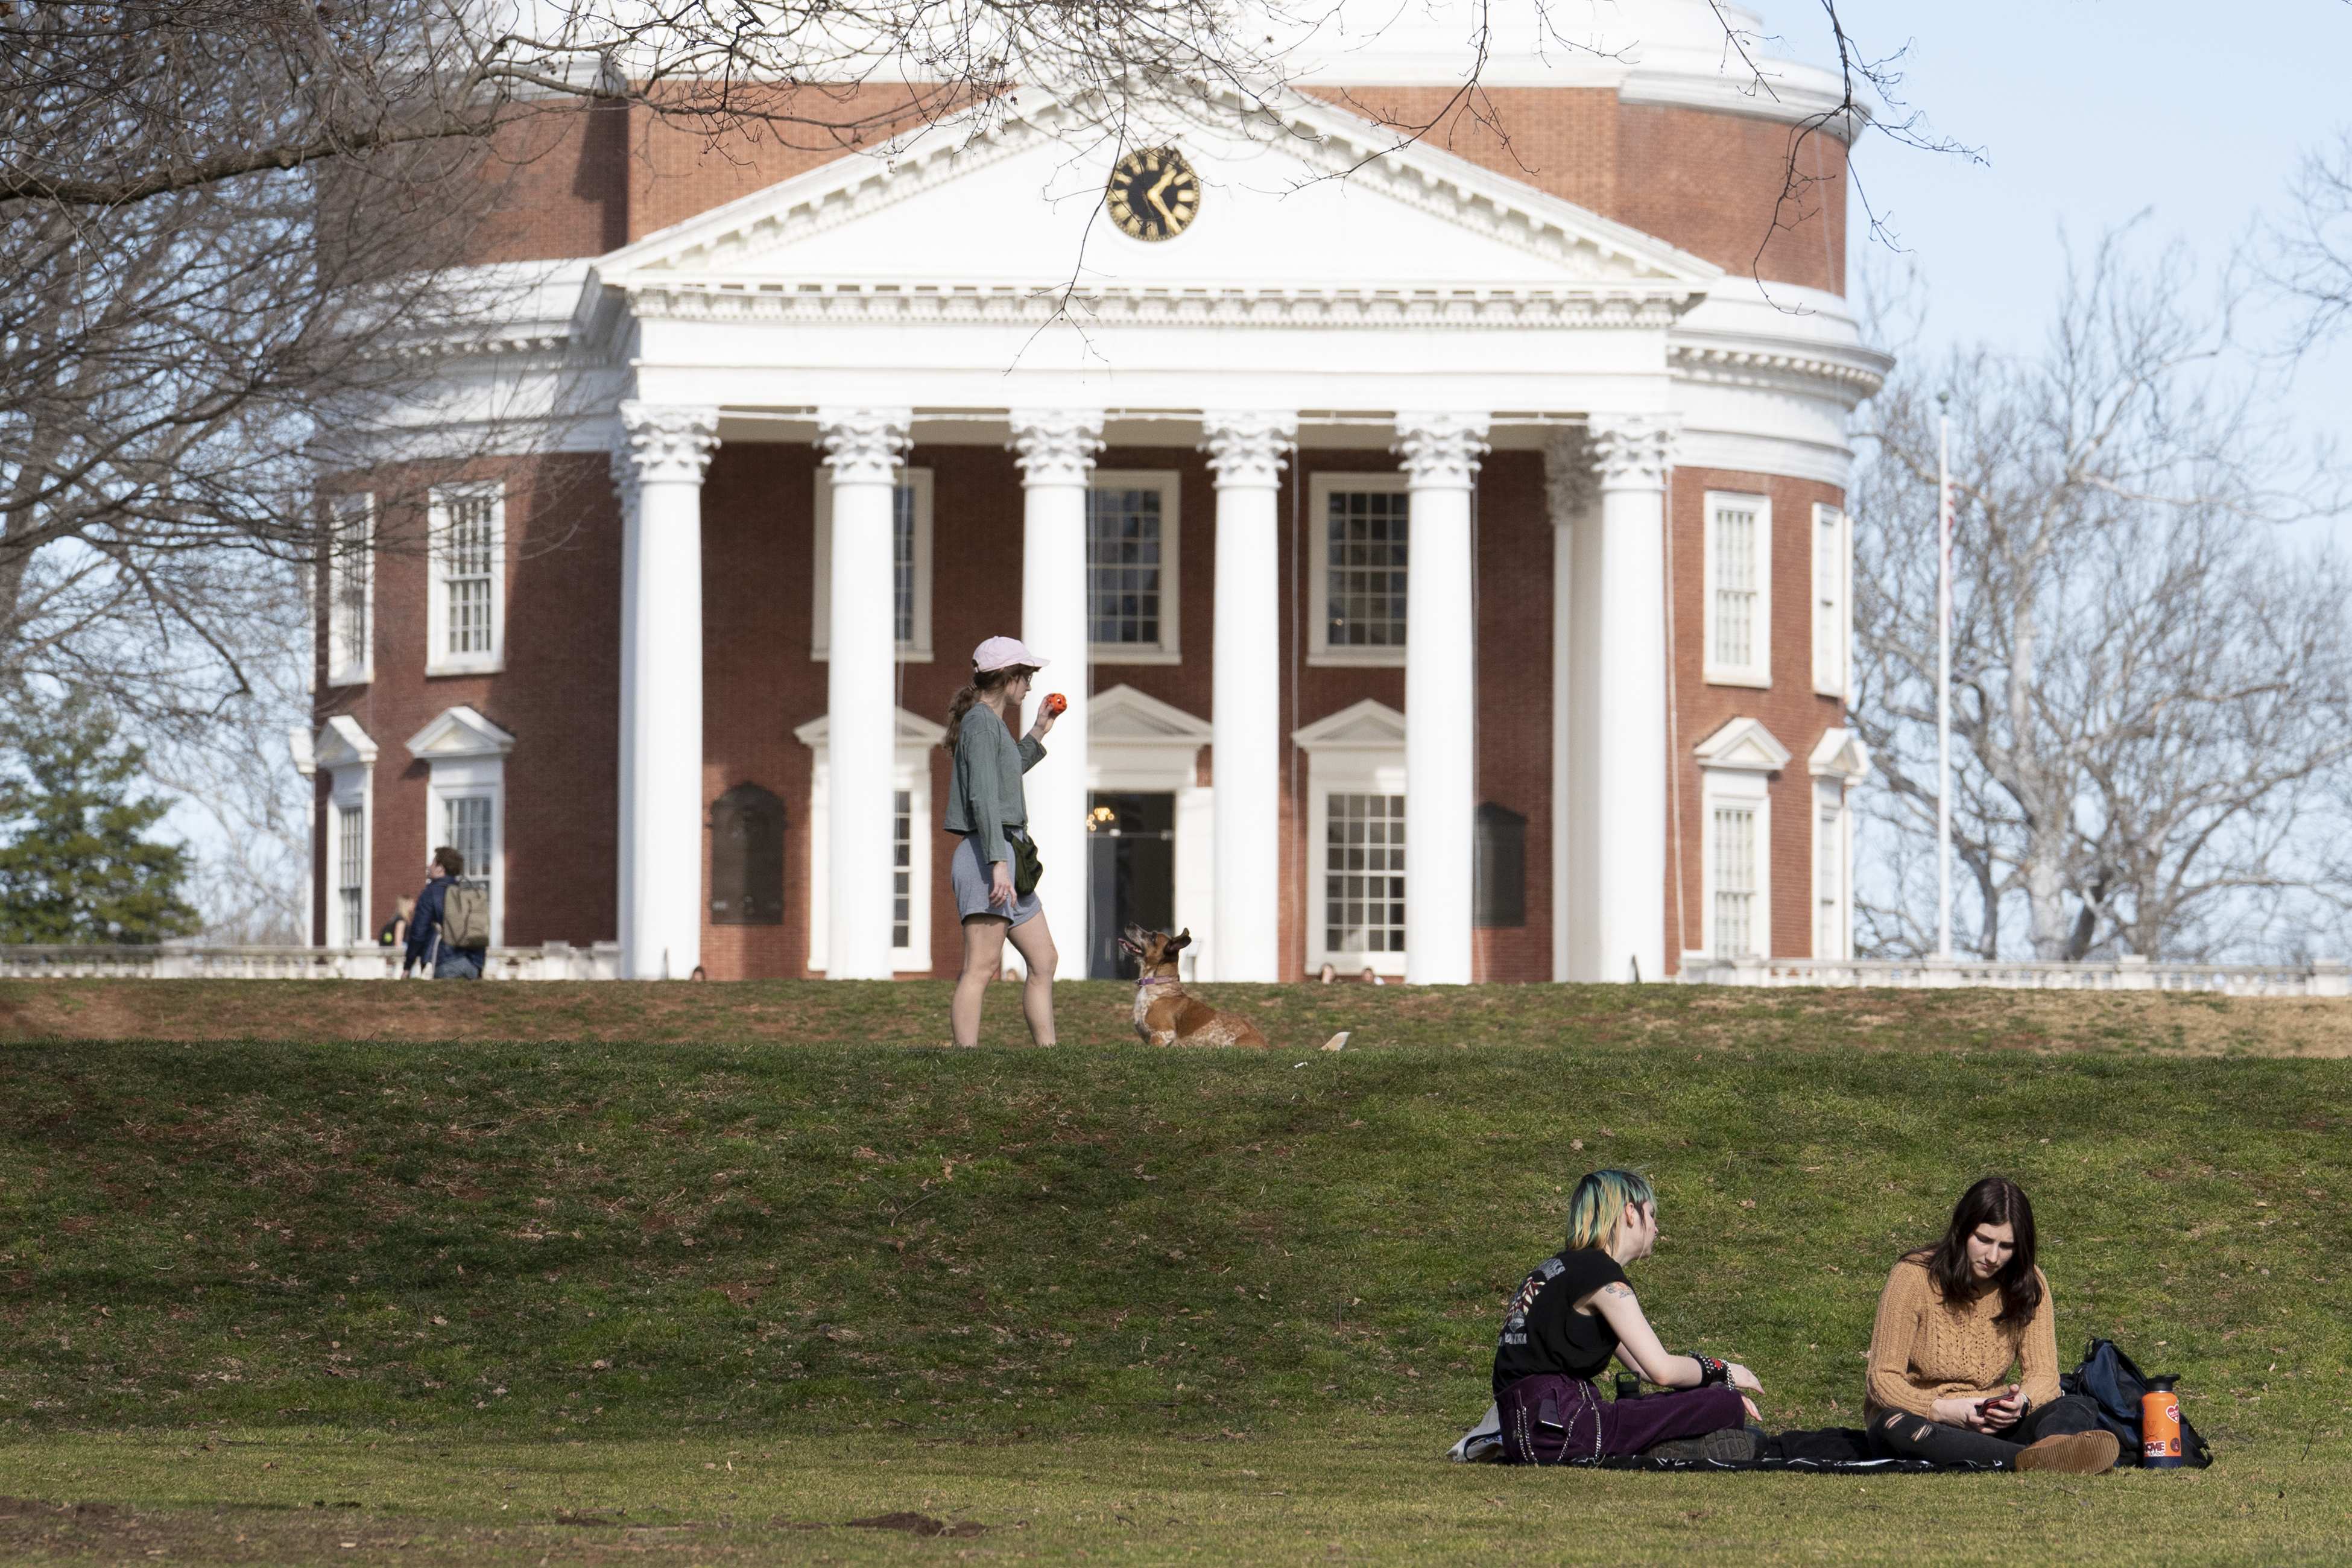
(1955, 1322)
(449, 933)
(395, 929)
(1575, 1312)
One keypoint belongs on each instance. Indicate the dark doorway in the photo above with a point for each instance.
(1132, 875)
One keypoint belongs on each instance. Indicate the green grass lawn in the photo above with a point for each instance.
(1143, 1306)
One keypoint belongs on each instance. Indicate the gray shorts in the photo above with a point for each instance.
(969, 876)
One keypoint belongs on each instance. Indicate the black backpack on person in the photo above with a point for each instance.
(2114, 1383)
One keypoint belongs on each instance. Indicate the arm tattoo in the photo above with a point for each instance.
(1615, 1289)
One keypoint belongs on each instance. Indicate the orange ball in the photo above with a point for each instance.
(1056, 704)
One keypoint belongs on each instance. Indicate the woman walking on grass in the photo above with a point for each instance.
(986, 805)
(1954, 1321)
(1572, 1314)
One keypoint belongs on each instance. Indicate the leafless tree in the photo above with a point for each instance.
(2307, 252)
(2152, 688)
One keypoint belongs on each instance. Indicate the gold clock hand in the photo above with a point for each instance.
(1166, 179)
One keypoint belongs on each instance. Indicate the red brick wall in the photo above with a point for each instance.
(1789, 710)
(580, 181)
(558, 695)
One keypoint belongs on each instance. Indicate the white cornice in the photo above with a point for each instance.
(1854, 375)
(1603, 306)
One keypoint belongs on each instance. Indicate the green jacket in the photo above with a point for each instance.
(986, 798)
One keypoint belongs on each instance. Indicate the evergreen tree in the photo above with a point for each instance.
(74, 865)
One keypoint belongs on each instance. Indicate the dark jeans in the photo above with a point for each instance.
(458, 963)
(1550, 1420)
(1894, 1434)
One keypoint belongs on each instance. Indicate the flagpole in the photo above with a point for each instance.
(1944, 687)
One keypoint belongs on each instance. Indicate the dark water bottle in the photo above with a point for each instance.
(1628, 1386)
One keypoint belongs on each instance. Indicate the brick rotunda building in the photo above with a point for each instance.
(1442, 551)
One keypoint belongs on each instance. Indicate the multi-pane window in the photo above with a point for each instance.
(351, 873)
(350, 579)
(1365, 540)
(466, 827)
(1739, 589)
(902, 563)
(469, 578)
(902, 870)
(1829, 882)
(1126, 536)
(1734, 877)
(1364, 874)
(1833, 579)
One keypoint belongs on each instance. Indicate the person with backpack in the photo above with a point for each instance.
(1955, 1322)
(449, 932)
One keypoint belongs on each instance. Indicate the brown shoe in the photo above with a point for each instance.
(2074, 1453)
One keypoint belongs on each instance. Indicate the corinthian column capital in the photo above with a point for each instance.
(1247, 450)
(864, 446)
(1056, 446)
(1441, 451)
(1632, 451)
(665, 442)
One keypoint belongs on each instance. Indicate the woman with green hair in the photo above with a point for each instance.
(1572, 1314)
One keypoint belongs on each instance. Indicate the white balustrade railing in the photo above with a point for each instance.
(2322, 977)
(186, 961)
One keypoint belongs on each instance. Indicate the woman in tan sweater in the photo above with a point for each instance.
(1954, 1323)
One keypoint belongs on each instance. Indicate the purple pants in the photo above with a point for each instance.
(1552, 1420)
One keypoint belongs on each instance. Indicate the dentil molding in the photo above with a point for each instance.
(1441, 451)
(864, 446)
(1632, 452)
(667, 443)
(1056, 446)
(1247, 450)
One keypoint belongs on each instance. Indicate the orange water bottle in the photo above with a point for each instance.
(2160, 1425)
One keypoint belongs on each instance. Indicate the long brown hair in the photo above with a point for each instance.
(1996, 1200)
(968, 696)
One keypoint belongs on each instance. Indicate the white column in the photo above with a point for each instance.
(1246, 453)
(667, 450)
(864, 449)
(1620, 670)
(1568, 486)
(1440, 454)
(1056, 450)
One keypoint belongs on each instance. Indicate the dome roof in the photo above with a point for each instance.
(1650, 51)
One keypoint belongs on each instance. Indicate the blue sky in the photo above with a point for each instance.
(2086, 112)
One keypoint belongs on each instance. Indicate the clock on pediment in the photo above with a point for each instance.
(1153, 193)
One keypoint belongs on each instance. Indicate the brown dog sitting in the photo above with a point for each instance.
(1164, 1016)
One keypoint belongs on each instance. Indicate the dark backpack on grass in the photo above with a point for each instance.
(2114, 1383)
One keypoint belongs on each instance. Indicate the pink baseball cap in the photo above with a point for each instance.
(1004, 653)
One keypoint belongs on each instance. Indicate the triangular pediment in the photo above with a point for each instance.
(1301, 197)
(1369, 725)
(913, 731)
(1124, 715)
(1840, 754)
(460, 732)
(1744, 745)
(340, 743)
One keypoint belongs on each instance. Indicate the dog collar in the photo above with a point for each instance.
(1159, 979)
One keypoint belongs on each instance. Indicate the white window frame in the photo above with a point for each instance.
(917, 739)
(1357, 751)
(1319, 491)
(913, 650)
(438, 660)
(351, 555)
(1832, 601)
(1757, 669)
(1736, 788)
(1169, 649)
(1840, 761)
(347, 754)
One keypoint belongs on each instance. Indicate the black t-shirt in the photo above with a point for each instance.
(1542, 1330)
